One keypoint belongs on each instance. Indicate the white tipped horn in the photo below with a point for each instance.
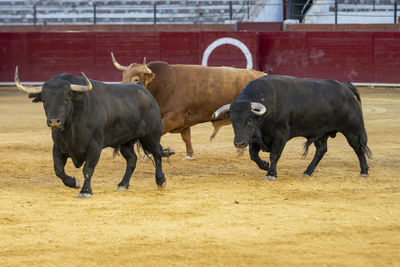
(146, 69)
(221, 110)
(82, 88)
(31, 90)
(258, 109)
(116, 64)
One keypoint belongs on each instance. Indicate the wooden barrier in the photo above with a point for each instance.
(371, 57)
(42, 55)
(346, 56)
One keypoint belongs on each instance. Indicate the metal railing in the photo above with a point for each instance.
(344, 11)
(197, 12)
(102, 13)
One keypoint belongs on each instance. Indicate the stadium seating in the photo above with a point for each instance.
(351, 11)
(70, 12)
(21, 12)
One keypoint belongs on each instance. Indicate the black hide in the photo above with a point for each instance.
(314, 109)
(110, 115)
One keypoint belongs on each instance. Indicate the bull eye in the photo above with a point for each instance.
(249, 122)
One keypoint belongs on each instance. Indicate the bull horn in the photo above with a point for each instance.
(82, 88)
(258, 109)
(116, 64)
(31, 90)
(221, 110)
(146, 69)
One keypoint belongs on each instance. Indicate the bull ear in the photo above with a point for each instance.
(36, 97)
(148, 78)
(77, 95)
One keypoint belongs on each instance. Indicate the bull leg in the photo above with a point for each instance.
(275, 154)
(254, 150)
(160, 177)
(175, 120)
(185, 134)
(321, 148)
(355, 142)
(92, 158)
(60, 160)
(128, 152)
(153, 146)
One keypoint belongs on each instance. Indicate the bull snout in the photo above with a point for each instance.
(240, 144)
(54, 123)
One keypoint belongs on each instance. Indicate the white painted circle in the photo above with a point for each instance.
(231, 41)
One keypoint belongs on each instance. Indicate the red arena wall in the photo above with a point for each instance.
(346, 56)
(42, 55)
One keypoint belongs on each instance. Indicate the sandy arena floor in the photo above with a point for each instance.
(216, 210)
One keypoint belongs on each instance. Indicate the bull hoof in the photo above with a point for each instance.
(122, 188)
(306, 175)
(162, 186)
(364, 175)
(84, 195)
(77, 183)
(188, 158)
(269, 178)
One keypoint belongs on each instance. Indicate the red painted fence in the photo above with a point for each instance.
(346, 56)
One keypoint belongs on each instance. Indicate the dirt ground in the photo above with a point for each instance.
(216, 210)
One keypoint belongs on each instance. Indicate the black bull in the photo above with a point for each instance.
(271, 110)
(87, 116)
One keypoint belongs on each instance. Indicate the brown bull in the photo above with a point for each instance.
(188, 94)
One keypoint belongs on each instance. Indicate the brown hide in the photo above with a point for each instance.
(189, 94)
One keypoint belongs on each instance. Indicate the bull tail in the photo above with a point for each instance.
(166, 152)
(117, 149)
(354, 90)
(140, 145)
(364, 147)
